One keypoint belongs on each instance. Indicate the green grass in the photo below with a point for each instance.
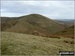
(23, 44)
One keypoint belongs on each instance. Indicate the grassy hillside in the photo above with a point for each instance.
(23, 44)
(42, 22)
(7, 22)
(34, 24)
(68, 32)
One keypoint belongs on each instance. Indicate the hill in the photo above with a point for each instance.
(35, 24)
(67, 22)
(7, 22)
(68, 32)
(24, 44)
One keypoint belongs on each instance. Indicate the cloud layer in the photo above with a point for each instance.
(51, 9)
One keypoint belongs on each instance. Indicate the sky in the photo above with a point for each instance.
(51, 9)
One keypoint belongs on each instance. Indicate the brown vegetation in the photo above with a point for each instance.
(71, 42)
(55, 36)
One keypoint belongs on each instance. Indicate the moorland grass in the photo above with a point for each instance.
(24, 44)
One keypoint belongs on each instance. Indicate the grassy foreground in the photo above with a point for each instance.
(23, 44)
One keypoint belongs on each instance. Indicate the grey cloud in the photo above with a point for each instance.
(52, 9)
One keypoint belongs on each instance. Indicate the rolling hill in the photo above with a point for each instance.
(68, 32)
(7, 22)
(24, 44)
(34, 24)
(35, 34)
(66, 22)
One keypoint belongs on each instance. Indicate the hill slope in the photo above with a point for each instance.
(23, 44)
(35, 24)
(7, 22)
(66, 23)
(69, 32)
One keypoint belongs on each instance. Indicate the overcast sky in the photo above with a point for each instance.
(51, 9)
